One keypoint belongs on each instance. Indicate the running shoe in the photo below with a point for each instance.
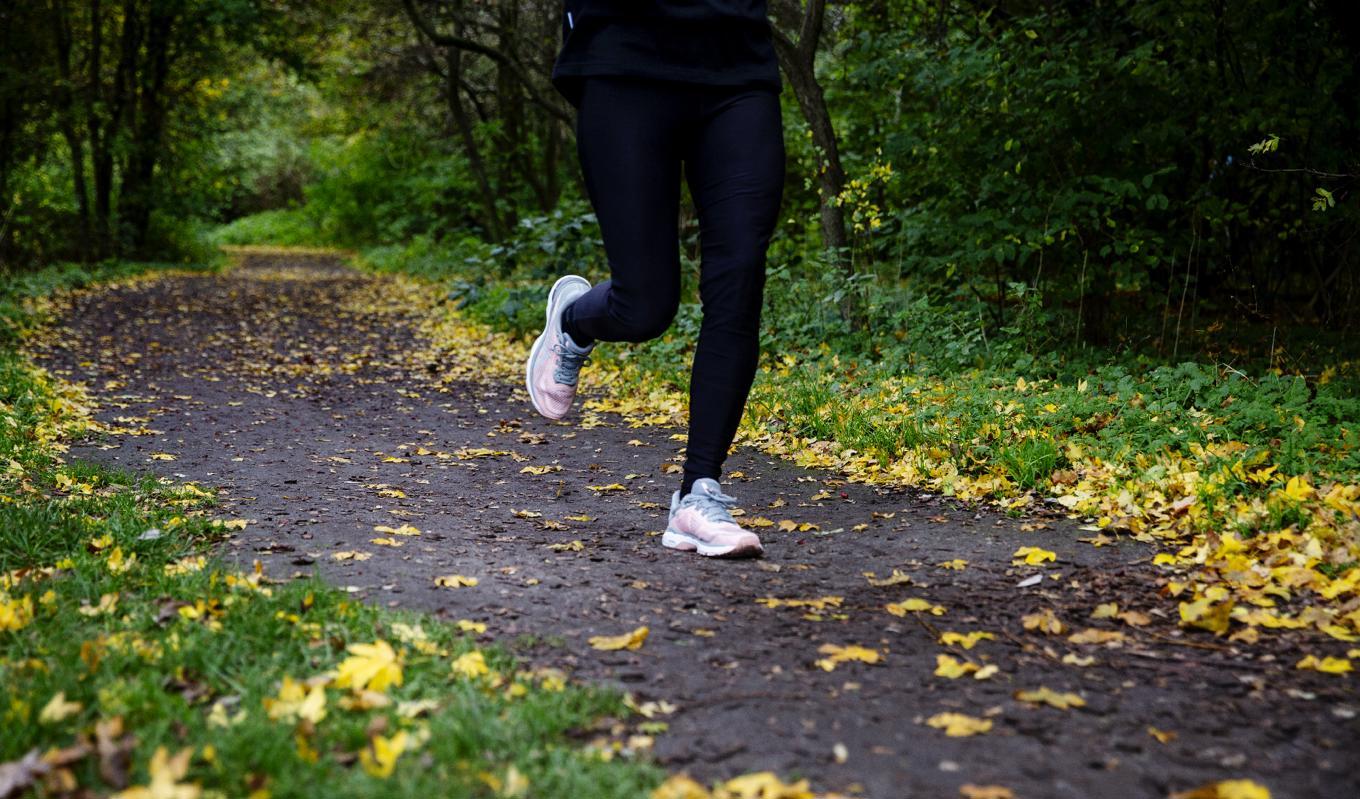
(555, 361)
(700, 522)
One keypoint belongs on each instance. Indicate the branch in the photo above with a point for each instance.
(446, 40)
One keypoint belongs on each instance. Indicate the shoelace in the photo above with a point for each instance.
(712, 506)
(569, 362)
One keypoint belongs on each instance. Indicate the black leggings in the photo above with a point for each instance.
(632, 137)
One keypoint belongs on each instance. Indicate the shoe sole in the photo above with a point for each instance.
(540, 342)
(674, 539)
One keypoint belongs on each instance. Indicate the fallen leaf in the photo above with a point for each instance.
(385, 542)
(58, 709)
(1094, 636)
(296, 701)
(1207, 614)
(957, 725)
(896, 578)
(957, 564)
(370, 666)
(1044, 621)
(570, 546)
(762, 785)
(1327, 665)
(607, 488)
(166, 773)
(951, 668)
(971, 791)
(630, 641)
(1033, 556)
(380, 758)
(1227, 789)
(913, 605)
(965, 640)
(352, 555)
(1162, 736)
(815, 603)
(1047, 696)
(840, 654)
(1105, 611)
(471, 665)
(455, 581)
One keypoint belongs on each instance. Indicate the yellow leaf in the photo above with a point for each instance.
(525, 514)
(1047, 696)
(957, 564)
(1227, 789)
(471, 665)
(965, 640)
(1327, 665)
(1094, 636)
(162, 456)
(468, 626)
(913, 605)
(371, 666)
(1207, 614)
(840, 654)
(951, 668)
(630, 641)
(1044, 621)
(405, 529)
(788, 525)
(680, 786)
(295, 701)
(539, 470)
(957, 725)
(352, 555)
(815, 603)
(58, 709)
(570, 546)
(455, 581)
(1298, 489)
(762, 785)
(1106, 611)
(971, 791)
(1034, 556)
(1162, 736)
(385, 542)
(380, 760)
(235, 524)
(896, 578)
(610, 487)
(166, 773)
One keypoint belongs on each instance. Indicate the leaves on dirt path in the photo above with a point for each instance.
(1047, 696)
(898, 577)
(1033, 556)
(1227, 789)
(970, 791)
(1326, 665)
(965, 640)
(952, 668)
(631, 641)
(958, 725)
(815, 603)
(913, 605)
(1207, 614)
(456, 581)
(836, 655)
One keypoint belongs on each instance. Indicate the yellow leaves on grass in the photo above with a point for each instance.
(631, 641)
(379, 759)
(1326, 665)
(1227, 789)
(58, 709)
(958, 725)
(166, 773)
(297, 701)
(15, 614)
(913, 605)
(471, 665)
(371, 667)
(456, 581)
(1033, 556)
(836, 655)
(1047, 696)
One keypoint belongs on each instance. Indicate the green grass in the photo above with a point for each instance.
(186, 650)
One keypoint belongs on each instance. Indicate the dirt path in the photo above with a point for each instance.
(298, 388)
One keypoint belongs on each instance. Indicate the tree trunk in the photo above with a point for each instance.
(138, 190)
(492, 221)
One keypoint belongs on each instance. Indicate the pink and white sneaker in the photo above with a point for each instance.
(700, 522)
(555, 361)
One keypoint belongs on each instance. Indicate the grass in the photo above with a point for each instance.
(122, 636)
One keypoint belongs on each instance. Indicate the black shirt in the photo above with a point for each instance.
(715, 42)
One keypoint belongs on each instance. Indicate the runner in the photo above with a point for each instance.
(658, 85)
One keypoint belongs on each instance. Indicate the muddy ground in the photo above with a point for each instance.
(293, 385)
